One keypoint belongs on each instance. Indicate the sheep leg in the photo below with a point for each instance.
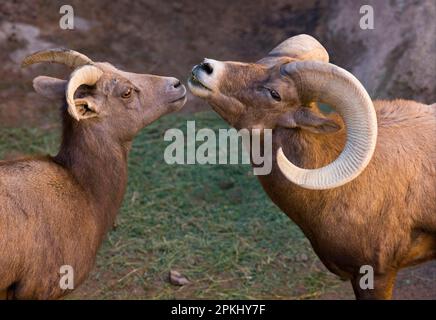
(3, 294)
(383, 287)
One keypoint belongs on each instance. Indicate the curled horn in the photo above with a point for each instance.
(88, 75)
(301, 47)
(85, 73)
(325, 82)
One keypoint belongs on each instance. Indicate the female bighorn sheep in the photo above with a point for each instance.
(55, 211)
(383, 216)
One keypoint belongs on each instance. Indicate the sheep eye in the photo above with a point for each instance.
(275, 95)
(126, 94)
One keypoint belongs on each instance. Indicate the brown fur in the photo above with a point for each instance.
(386, 217)
(55, 211)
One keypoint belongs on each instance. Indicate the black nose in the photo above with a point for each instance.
(177, 84)
(206, 67)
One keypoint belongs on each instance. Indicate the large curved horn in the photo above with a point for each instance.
(88, 75)
(71, 58)
(338, 88)
(301, 47)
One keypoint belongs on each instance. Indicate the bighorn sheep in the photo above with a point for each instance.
(374, 203)
(55, 211)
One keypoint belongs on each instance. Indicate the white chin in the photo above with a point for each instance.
(198, 91)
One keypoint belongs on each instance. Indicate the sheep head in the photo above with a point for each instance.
(279, 91)
(98, 94)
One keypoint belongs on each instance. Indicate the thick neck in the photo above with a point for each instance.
(99, 165)
(307, 150)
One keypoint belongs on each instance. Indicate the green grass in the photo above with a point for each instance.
(212, 223)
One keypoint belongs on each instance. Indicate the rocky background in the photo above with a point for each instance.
(394, 60)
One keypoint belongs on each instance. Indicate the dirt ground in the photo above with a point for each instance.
(169, 37)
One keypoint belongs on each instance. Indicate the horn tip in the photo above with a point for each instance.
(26, 62)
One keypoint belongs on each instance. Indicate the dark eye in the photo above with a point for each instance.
(126, 94)
(275, 95)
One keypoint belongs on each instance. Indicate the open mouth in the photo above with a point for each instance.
(194, 81)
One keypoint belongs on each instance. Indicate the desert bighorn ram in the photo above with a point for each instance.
(363, 196)
(55, 211)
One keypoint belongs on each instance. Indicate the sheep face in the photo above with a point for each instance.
(281, 90)
(120, 103)
(255, 95)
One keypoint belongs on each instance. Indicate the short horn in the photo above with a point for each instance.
(88, 75)
(70, 58)
(330, 84)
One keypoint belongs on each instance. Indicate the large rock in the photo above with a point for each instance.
(397, 59)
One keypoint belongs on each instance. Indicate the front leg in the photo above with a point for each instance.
(4, 294)
(383, 287)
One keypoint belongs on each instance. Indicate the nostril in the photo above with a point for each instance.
(177, 84)
(207, 67)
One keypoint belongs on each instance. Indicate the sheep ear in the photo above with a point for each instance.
(51, 88)
(306, 119)
(301, 47)
(86, 108)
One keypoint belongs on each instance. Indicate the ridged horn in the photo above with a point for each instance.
(70, 58)
(88, 75)
(301, 47)
(330, 84)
